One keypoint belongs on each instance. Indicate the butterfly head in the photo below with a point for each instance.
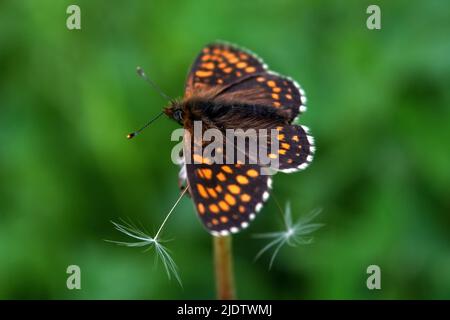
(175, 111)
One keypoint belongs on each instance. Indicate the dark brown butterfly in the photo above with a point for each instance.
(229, 88)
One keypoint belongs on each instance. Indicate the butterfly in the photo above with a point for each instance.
(228, 88)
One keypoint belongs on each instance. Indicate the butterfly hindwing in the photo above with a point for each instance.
(295, 148)
(269, 89)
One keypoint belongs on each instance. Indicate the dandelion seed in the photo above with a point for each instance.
(145, 240)
(293, 235)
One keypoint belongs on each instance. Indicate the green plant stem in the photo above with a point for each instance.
(223, 261)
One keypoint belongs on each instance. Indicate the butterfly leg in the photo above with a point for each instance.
(183, 187)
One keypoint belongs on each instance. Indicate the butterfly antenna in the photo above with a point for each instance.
(143, 75)
(135, 133)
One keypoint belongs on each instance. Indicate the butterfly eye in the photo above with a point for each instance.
(178, 115)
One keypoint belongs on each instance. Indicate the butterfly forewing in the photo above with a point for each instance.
(244, 77)
(221, 64)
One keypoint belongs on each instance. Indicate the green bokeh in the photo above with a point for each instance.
(378, 108)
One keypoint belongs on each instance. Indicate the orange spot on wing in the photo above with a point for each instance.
(241, 179)
(219, 188)
(234, 188)
(241, 209)
(271, 83)
(276, 104)
(207, 173)
(215, 221)
(230, 199)
(200, 173)
(245, 197)
(212, 192)
(224, 206)
(276, 89)
(272, 156)
(206, 57)
(228, 70)
(214, 208)
(241, 65)
(202, 191)
(227, 169)
(275, 96)
(250, 69)
(201, 208)
(209, 65)
(280, 136)
(289, 97)
(221, 176)
(260, 79)
(282, 151)
(252, 173)
(203, 74)
(295, 138)
(223, 219)
(285, 145)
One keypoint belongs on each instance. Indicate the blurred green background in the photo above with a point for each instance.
(378, 108)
